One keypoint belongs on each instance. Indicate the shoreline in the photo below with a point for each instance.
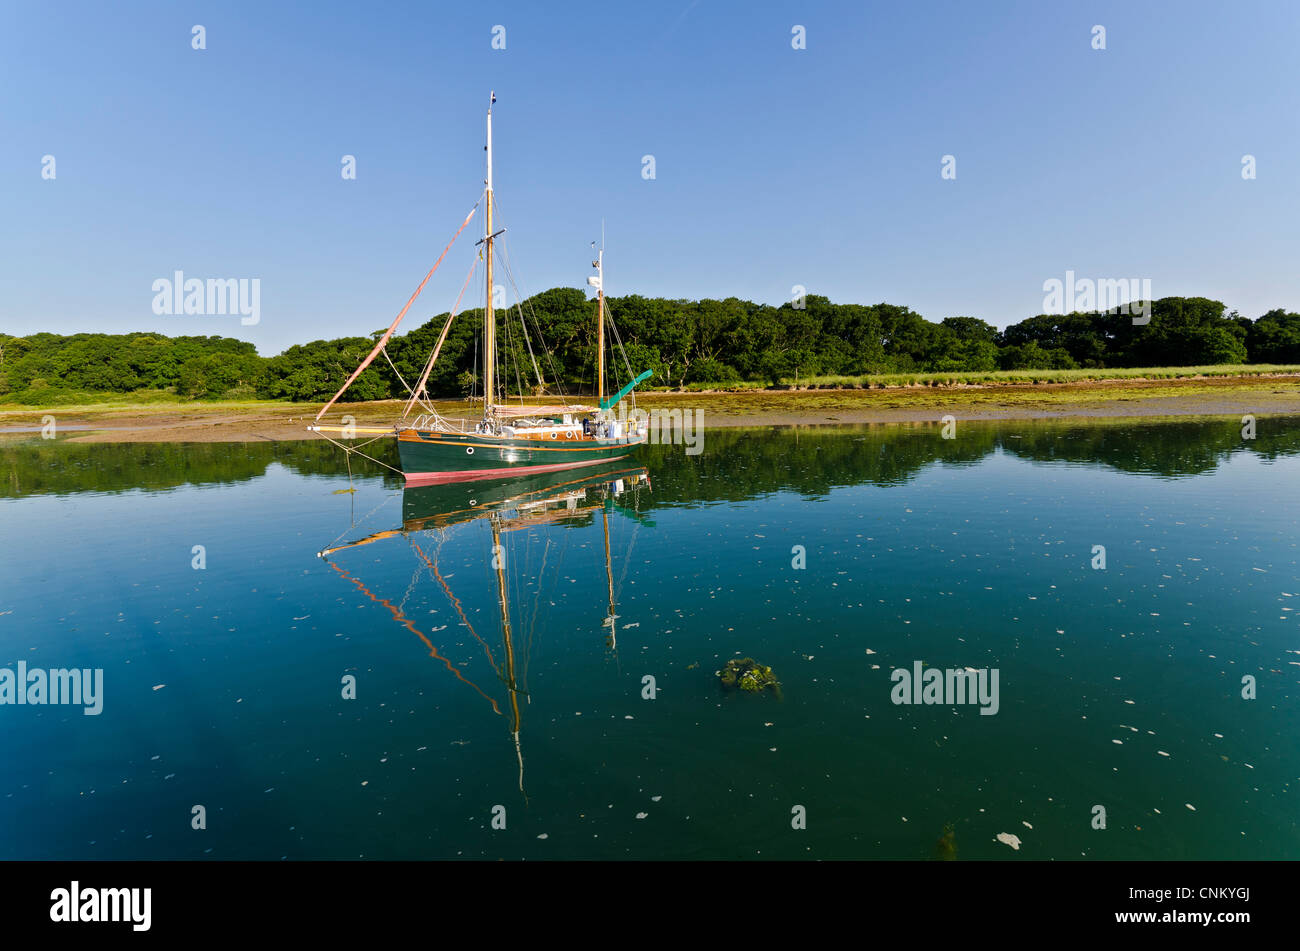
(1094, 400)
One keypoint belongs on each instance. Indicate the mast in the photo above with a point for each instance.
(489, 319)
(498, 558)
(612, 639)
(599, 265)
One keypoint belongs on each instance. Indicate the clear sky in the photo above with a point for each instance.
(773, 166)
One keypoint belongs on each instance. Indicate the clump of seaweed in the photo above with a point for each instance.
(749, 676)
(945, 850)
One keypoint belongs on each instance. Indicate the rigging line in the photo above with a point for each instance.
(388, 333)
(505, 260)
(369, 441)
(455, 602)
(424, 377)
(515, 583)
(363, 518)
(397, 373)
(627, 559)
(415, 576)
(473, 377)
(619, 338)
(621, 349)
(509, 351)
(495, 355)
(541, 384)
(502, 390)
(556, 376)
(360, 453)
(556, 371)
(519, 380)
(532, 625)
(410, 625)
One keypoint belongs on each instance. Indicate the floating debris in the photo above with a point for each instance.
(1008, 838)
(945, 849)
(749, 676)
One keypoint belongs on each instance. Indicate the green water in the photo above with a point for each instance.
(223, 685)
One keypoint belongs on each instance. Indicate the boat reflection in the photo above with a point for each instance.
(511, 508)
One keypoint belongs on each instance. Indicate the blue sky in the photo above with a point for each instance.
(774, 166)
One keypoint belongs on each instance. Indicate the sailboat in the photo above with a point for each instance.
(534, 503)
(513, 436)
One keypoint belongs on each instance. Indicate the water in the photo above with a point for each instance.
(223, 686)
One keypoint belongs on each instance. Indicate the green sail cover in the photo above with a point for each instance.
(606, 404)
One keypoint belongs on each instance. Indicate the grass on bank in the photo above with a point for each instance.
(50, 396)
(109, 402)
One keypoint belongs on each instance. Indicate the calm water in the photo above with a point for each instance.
(223, 686)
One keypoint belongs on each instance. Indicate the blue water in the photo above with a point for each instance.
(223, 685)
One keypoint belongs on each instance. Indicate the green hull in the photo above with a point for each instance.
(433, 457)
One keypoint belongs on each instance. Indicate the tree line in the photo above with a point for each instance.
(682, 342)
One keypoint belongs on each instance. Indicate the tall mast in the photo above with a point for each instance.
(489, 319)
(498, 560)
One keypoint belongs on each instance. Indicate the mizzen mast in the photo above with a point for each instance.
(599, 283)
(600, 327)
(610, 616)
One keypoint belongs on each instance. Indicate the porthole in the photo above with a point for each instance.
(469, 450)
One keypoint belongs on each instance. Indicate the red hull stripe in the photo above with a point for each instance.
(478, 475)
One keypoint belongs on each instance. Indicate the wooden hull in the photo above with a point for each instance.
(429, 458)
